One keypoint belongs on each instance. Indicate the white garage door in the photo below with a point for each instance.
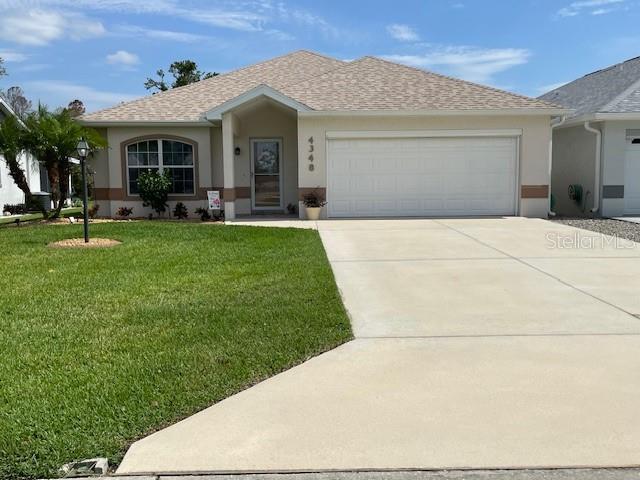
(379, 177)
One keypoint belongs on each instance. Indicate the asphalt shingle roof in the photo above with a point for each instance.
(321, 83)
(612, 90)
(375, 84)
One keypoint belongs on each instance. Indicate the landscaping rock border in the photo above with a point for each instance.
(80, 243)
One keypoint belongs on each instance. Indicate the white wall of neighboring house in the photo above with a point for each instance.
(9, 191)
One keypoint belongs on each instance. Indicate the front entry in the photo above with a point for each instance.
(266, 174)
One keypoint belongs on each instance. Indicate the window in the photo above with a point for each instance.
(162, 155)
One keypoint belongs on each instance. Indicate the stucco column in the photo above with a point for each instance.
(228, 129)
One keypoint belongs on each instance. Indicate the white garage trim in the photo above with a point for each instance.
(514, 134)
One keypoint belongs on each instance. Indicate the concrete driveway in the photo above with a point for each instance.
(480, 343)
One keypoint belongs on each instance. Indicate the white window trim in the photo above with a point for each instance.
(161, 167)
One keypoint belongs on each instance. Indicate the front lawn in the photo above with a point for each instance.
(101, 347)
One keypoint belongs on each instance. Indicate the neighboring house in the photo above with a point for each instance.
(376, 138)
(10, 194)
(598, 146)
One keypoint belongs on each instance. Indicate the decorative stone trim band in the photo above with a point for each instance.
(231, 194)
(119, 194)
(108, 193)
(534, 191)
(613, 191)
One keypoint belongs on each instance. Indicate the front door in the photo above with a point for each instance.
(266, 168)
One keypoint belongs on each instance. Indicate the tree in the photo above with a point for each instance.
(52, 138)
(154, 188)
(3, 71)
(185, 72)
(76, 108)
(17, 101)
(12, 141)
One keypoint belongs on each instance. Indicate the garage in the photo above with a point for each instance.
(396, 175)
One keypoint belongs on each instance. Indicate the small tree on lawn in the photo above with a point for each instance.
(154, 188)
(52, 137)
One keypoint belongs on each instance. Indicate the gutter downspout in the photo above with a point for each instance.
(563, 119)
(596, 190)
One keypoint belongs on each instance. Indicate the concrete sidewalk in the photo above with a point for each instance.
(479, 344)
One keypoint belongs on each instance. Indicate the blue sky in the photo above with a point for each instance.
(101, 51)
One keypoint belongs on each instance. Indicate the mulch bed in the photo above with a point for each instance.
(80, 243)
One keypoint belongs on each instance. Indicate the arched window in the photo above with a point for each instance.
(162, 155)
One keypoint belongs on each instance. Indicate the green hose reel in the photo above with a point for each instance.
(576, 193)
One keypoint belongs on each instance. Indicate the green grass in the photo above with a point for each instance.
(101, 347)
(28, 217)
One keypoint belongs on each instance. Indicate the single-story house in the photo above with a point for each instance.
(10, 194)
(596, 150)
(376, 138)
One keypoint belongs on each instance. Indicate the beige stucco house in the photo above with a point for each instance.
(374, 137)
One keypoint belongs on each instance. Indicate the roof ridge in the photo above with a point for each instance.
(459, 80)
(604, 69)
(321, 55)
(208, 80)
(331, 70)
(621, 96)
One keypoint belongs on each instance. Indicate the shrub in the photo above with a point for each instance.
(124, 211)
(154, 187)
(180, 211)
(93, 210)
(218, 217)
(204, 214)
(15, 209)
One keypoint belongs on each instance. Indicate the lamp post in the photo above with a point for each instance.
(83, 150)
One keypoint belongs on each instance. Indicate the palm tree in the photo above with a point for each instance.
(12, 134)
(52, 138)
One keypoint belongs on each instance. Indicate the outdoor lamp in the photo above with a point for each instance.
(82, 148)
(83, 151)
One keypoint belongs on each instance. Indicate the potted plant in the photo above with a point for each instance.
(313, 203)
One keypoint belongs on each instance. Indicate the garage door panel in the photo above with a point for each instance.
(422, 176)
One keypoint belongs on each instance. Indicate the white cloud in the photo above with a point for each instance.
(470, 63)
(243, 15)
(57, 93)
(39, 27)
(11, 56)
(123, 58)
(182, 37)
(593, 7)
(402, 32)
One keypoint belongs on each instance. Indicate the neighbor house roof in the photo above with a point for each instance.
(323, 84)
(615, 89)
